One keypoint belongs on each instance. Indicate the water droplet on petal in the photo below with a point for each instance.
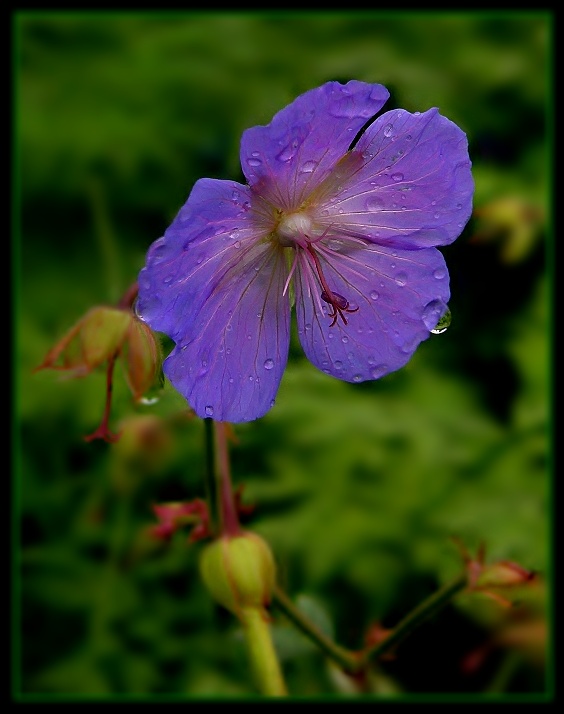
(374, 203)
(168, 279)
(401, 279)
(289, 151)
(268, 364)
(408, 137)
(432, 313)
(344, 107)
(439, 274)
(378, 371)
(344, 339)
(374, 295)
(357, 378)
(209, 411)
(308, 167)
(338, 365)
(443, 323)
(254, 162)
(388, 130)
(237, 244)
(397, 177)
(436, 215)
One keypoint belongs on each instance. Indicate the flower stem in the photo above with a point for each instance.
(262, 655)
(210, 479)
(352, 661)
(105, 236)
(416, 617)
(103, 430)
(228, 518)
(347, 659)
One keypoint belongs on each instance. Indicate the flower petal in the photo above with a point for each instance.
(215, 226)
(204, 284)
(230, 364)
(400, 295)
(409, 185)
(284, 160)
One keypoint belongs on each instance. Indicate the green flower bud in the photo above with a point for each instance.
(95, 338)
(239, 572)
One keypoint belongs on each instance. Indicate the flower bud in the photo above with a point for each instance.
(239, 572)
(141, 357)
(90, 342)
(503, 574)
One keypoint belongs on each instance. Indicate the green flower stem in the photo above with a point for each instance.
(347, 659)
(105, 236)
(262, 655)
(352, 661)
(416, 617)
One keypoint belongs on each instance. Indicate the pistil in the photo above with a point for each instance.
(338, 303)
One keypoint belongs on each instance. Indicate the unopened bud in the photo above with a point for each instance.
(503, 574)
(239, 572)
(141, 357)
(91, 341)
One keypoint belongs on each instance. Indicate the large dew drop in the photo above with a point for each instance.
(443, 323)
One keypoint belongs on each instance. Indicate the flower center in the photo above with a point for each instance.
(294, 228)
(297, 230)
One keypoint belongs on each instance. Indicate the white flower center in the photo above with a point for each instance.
(294, 228)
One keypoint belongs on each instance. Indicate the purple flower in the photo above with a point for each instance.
(346, 234)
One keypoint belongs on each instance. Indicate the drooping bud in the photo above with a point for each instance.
(141, 358)
(91, 341)
(239, 572)
(101, 336)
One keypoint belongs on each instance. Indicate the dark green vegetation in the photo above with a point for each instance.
(358, 488)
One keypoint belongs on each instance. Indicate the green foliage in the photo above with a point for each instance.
(358, 488)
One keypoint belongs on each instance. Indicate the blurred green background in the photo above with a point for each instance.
(358, 488)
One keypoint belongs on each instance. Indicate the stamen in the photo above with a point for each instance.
(291, 273)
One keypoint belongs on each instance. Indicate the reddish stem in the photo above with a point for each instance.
(103, 431)
(226, 501)
(129, 297)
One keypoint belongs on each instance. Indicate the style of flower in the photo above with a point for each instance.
(344, 226)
